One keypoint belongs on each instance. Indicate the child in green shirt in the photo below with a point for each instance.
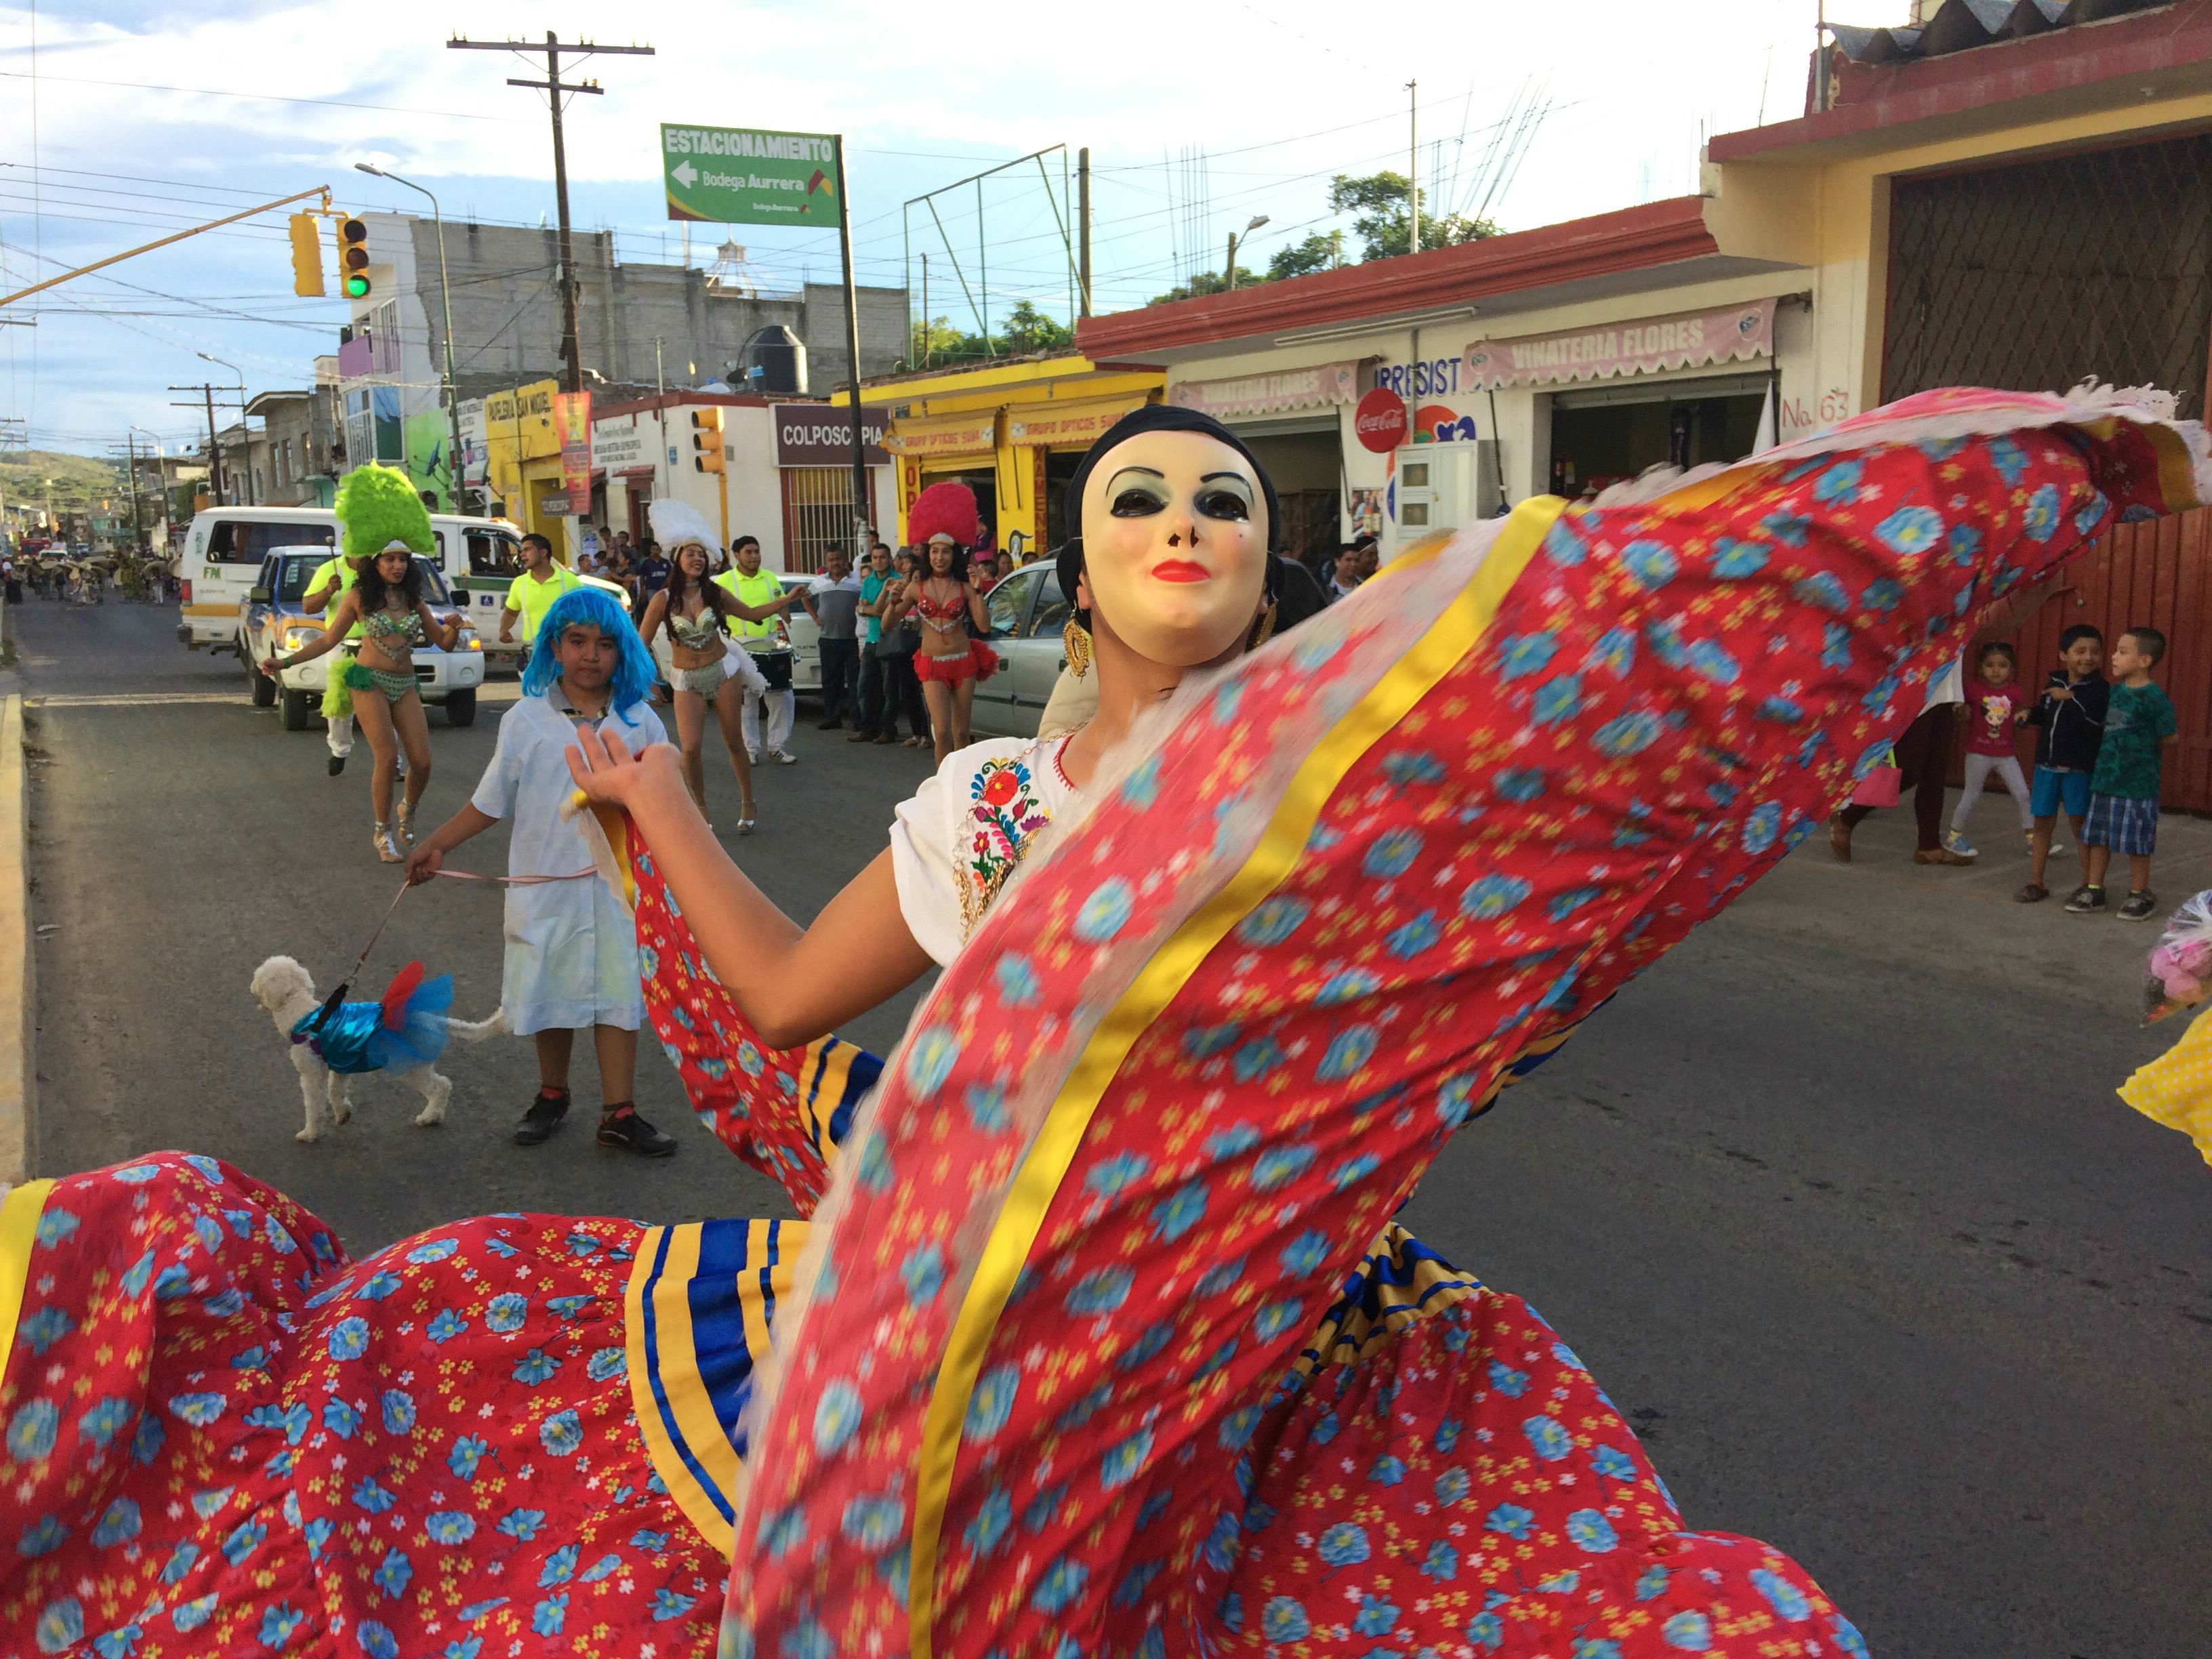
(2139, 723)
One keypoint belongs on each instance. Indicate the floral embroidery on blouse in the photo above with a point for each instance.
(1006, 815)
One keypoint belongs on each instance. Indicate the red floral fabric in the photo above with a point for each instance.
(1667, 696)
(221, 1437)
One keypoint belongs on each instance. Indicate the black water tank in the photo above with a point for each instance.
(775, 360)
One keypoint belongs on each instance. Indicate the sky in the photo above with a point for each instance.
(125, 122)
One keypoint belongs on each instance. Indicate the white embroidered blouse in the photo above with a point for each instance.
(960, 836)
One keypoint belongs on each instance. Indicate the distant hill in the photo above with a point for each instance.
(78, 480)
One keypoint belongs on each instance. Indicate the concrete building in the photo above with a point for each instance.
(639, 324)
(1998, 196)
(304, 446)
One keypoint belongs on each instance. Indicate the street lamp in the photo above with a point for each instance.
(446, 292)
(245, 430)
(1229, 276)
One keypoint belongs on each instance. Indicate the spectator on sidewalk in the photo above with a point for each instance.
(875, 722)
(2139, 723)
(1347, 574)
(1924, 755)
(833, 599)
(1994, 715)
(2069, 722)
(571, 961)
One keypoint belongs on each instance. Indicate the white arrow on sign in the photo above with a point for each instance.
(685, 174)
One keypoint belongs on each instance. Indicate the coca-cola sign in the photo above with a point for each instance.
(1380, 420)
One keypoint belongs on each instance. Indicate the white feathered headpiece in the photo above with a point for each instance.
(675, 525)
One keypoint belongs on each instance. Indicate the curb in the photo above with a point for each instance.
(19, 1084)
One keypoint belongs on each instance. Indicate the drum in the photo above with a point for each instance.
(775, 667)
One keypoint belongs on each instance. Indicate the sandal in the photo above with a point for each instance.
(748, 818)
(386, 849)
(2034, 893)
(1839, 839)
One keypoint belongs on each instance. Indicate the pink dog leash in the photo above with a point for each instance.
(330, 1003)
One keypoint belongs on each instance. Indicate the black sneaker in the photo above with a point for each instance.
(2086, 900)
(338, 764)
(829, 726)
(2138, 907)
(621, 1125)
(544, 1117)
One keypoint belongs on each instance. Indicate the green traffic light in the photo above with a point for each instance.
(356, 288)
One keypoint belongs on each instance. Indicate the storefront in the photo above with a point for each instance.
(522, 460)
(1616, 398)
(1013, 432)
(1293, 419)
(786, 477)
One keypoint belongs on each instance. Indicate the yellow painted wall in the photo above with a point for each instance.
(1815, 206)
(1072, 378)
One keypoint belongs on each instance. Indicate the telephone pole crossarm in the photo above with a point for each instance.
(553, 87)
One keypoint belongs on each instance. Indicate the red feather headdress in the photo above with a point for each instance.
(943, 509)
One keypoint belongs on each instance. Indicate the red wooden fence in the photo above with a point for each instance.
(2159, 575)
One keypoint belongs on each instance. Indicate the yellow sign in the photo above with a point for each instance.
(956, 434)
(1058, 426)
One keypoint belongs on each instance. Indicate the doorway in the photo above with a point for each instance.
(1606, 437)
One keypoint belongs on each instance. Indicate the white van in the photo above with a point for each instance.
(225, 545)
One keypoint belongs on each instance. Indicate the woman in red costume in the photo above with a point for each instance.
(942, 521)
(1101, 1338)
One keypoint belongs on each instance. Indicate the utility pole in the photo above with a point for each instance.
(853, 352)
(1082, 218)
(1413, 165)
(138, 519)
(214, 452)
(554, 88)
(924, 312)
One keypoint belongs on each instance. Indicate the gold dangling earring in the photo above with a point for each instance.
(1076, 638)
(1264, 629)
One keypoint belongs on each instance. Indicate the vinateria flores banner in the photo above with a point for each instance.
(749, 175)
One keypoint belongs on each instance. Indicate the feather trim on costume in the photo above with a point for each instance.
(678, 524)
(943, 509)
(377, 507)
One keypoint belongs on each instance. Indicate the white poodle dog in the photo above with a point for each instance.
(288, 992)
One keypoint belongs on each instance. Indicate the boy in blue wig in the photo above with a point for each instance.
(571, 950)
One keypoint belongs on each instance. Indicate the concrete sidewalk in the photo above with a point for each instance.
(1968, 915)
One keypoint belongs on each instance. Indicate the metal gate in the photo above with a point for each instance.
(817, 516)
(2033, 275)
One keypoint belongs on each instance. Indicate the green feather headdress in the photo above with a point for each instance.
(378, 505)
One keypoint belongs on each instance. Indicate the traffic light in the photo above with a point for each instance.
(307, 255)
(707, 439)
(353, 258)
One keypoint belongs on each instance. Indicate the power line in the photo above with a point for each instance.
(255, 97)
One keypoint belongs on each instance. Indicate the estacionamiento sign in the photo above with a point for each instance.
(750, 176)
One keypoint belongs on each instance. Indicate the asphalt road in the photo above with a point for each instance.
(1837, 1201)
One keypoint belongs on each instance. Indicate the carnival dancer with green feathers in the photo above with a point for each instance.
(385, 527)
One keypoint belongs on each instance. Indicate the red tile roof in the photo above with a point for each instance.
(1633, 238)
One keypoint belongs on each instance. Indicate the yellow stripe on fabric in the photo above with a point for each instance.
(829, 1094)
(1035, 1183)
(19, 1231)
(755, 1307)
(660, 1285)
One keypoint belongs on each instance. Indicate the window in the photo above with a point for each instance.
(232, 541)
(1008, 604)
(817, 514)
(491, 554)
(1054, 609)
(372, 428)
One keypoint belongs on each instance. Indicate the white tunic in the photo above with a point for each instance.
(959, 836)
(571, 951)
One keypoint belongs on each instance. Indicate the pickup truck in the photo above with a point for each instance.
(274, 621)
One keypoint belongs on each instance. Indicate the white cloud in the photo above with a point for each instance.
(926, 95)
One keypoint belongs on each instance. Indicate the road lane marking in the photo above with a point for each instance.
(508, 691)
